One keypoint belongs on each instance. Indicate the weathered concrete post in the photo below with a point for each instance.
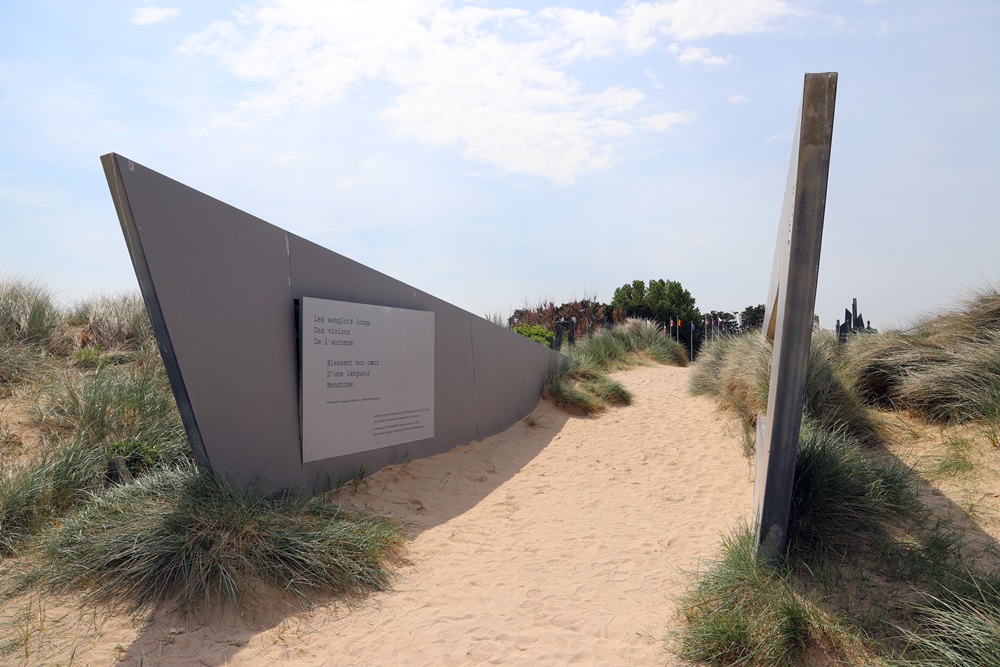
(789, 314)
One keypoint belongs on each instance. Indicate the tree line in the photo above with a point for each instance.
(663, 301)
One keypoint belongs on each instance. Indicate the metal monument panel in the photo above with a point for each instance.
(789, 310)
(367, 377)
(220, 286)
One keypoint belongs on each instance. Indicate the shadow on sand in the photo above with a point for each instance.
(422, 494)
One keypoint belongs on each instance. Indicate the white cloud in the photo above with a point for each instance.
(151, 14)
(664, 121)
(689, 55)
(489, 81)
(688, 20)
(737, 99)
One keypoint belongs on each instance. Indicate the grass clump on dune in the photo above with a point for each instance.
(28, 317)
(111, 504)
(956, 629)
(128, 409)
(114, 322)
(34, 493)
(736, 370)
(100, 427)
(744, 611)
(27, 311)
(945, 370)
(579, 382)
(20, 364)
(840, 491)
(186, 535)
(882, 578)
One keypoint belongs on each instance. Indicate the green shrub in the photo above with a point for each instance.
(535, 332)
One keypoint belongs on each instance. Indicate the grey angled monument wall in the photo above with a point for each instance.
(222, 289)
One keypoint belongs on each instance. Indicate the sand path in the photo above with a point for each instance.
(561, 543)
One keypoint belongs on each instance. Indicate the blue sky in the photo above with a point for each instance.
(496, 154)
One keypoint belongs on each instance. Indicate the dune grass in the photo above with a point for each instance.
(862, 555)
(187, 536)
(34, 493)
(28, 316)
(840, 491)
(111, 503)
(114, 322)
(129, 410)
(880, 578)
(20, 364)
(736, 370)
(945, 370)
(100, 427)
(956, 629)
(747, 611)
(579, 383)
(28, 313)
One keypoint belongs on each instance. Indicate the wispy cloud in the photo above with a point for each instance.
(491, 82)
(664, 121)
(689, 20)
(737, 99)
(151, 14)
(690, 55)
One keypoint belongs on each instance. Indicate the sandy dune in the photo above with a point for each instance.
(554, 544)
(558, 543)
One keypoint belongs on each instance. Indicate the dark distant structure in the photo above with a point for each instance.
(854, 322)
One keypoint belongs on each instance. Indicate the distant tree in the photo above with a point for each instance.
(752, 318)
(630, 298)
(659, 300)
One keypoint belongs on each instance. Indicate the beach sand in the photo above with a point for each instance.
(561, 541)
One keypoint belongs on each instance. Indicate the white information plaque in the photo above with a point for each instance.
(367, 377)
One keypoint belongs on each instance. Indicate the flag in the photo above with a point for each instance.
(679, 323)
(671, 322)
(692, 326)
